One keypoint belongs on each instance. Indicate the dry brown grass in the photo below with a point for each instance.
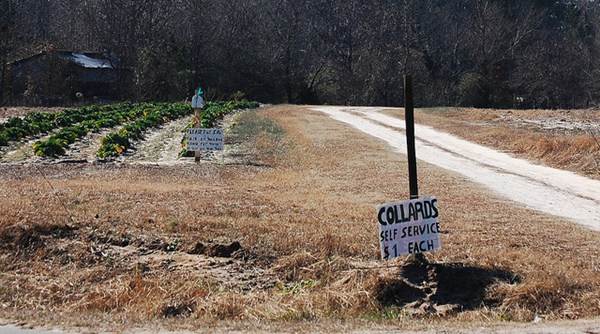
(307, 228)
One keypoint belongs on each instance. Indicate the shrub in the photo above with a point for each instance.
(473, 90)
(50, 148)
(114, 144)
(238, 96)
(3, 139)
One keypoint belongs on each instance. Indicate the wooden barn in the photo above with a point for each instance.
(62, 77)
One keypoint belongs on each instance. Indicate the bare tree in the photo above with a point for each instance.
(7, 26)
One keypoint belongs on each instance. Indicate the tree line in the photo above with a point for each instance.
(483, 53)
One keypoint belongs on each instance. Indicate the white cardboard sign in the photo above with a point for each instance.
(205, 140)
(409, 227)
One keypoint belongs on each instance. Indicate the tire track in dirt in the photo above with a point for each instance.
(489, 162)
(504, 163)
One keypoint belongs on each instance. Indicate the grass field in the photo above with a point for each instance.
(280, 233)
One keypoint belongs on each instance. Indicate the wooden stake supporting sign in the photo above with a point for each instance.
(197, 104)
(409, 110)
(410, 227)
(197, 124)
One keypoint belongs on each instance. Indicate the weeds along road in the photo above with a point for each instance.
(549, 190)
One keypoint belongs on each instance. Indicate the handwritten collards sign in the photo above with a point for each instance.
(409, 227)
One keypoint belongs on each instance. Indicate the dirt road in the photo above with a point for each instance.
(573, 327)
(541, 188)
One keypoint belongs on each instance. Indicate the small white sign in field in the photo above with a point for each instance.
(409, 227)
(205, 140)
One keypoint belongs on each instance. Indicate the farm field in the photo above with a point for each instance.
(280, 230)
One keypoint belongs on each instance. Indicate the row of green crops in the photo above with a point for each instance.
(36, 123)
(56, 144)
(213, 112)
(118, 142)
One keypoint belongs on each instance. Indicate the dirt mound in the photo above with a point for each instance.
(111, 238)
(216, 250)
(179, 310)
(431, 288)
(393, 291)
(29, 237)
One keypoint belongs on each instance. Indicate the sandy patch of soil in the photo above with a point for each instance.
(161, 145)
(85, 149)
(22, 151)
